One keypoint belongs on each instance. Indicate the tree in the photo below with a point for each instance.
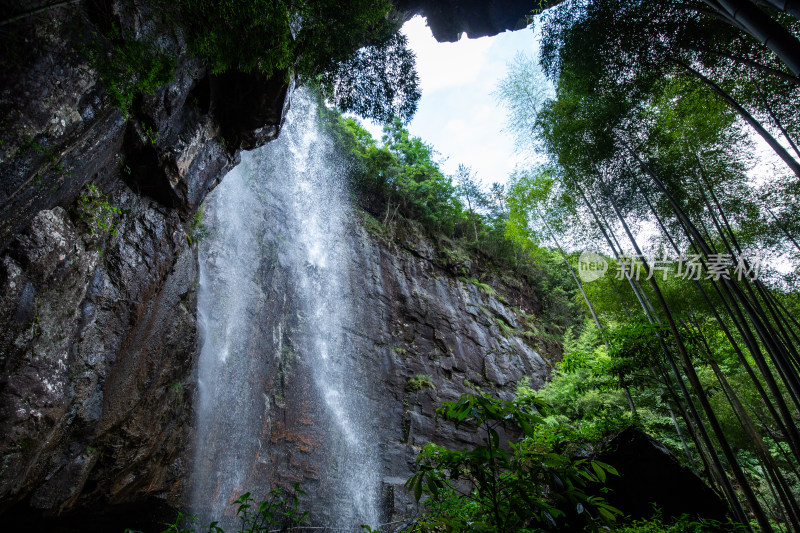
(637, 135)
(523, 92)
(377, 81)
(532, 198)
(353, 50)
(470, 190)
(630, 47)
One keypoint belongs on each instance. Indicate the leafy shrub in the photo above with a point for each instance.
(96, 211)
(685, 524)
(244, 36)
(587, 400)
(278, 513)
(128, 66)
(511, 488)
(486, 289)
(419, 382)
(197, 229)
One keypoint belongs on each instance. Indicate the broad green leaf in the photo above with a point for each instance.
(601, 474)
(607, 467)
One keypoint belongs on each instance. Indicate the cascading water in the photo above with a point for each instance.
(274, 304)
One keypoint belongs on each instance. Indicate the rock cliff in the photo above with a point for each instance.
(328, 339)
(98, 281)
(100, 352)
(98, 336)
(432, 335)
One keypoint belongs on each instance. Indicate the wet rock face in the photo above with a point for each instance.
(98, 330)
(421, 335)
(61, 131)
(429, 336)
(99, 353)
(96, 356)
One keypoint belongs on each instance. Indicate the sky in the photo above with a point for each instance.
(457, 114)
(464, 123)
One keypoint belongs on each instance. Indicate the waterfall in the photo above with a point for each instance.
(281, 396)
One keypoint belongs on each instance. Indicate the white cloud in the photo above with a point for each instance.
(442, 65)
(457, 113)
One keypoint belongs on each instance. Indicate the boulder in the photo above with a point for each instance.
(649, 475)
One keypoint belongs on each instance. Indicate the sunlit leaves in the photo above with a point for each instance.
(523, 93)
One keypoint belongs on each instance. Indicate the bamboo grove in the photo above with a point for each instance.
(679, 120)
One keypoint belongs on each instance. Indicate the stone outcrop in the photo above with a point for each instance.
(649, 475)
(99, 359)
(449, 19)
(61, 131)
(98, 307)
(97, 350)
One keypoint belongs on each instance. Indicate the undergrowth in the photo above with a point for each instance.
(128, 66)
(94, 209)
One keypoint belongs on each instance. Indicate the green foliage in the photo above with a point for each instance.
(415, 181)
(402, 181)
(469, 190)
(314, 39)
(586, 395)
(513, 487)
(197, 229)
(488, 290)
(150, 134)
(646, 128)
(176, 389)
(129, 66)
(244, 36)
(95, 210)
(523, 92)
(278, 513)
(685, 524)
(399, 178)
(28, 145)
(379, 82)
(419, 382)
(587, 406)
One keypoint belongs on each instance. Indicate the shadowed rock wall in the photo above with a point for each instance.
(98, 326)
(448, 19)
